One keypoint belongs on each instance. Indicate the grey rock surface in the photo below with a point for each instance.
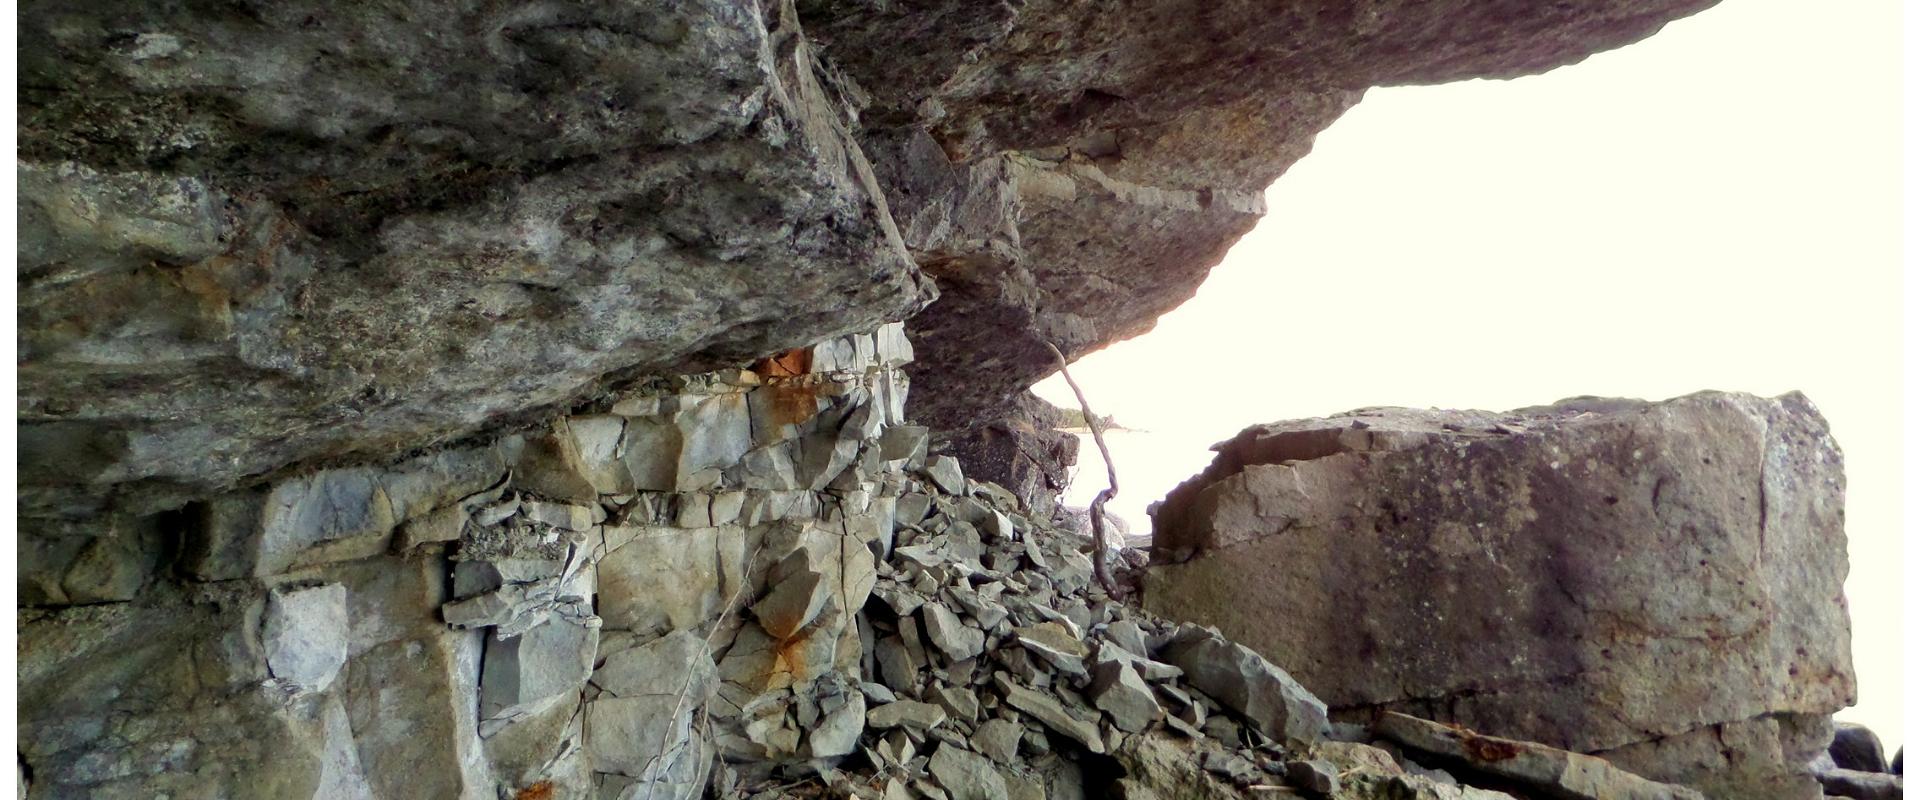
(1861, 785)
(1856, 747)
(547, 664)
(1249, 684)
(966, 775)
(1606, 576)
(906, 713)
(1552, 772)
(1315, 776)
(305, 634)
(1051, 713)
(337, 252)
(1118, 690)
(838, 733)
(944, 629)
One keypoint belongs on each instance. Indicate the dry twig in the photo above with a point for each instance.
(1097, 510)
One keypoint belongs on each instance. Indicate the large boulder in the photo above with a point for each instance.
(1657, 582)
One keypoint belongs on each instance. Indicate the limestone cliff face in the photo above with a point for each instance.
(261, 236)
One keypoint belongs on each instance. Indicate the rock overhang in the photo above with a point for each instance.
(269, 237)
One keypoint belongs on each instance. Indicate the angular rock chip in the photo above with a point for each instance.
(1120, 692)
(1856, 747)
(1243, 681)
(1054, 643)
(1839, 782)
(838, 733)
(1051, 714)
(966, 775)
(305, 635)
(956, 640)
(998, 739)
(792, 604)
(910, 714)
(945, 473)
(1317, 777)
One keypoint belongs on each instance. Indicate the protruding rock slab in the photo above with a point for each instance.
(403, 265)
(1553, 772)
(1595, 575)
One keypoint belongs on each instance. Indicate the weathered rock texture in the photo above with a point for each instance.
(350, 466)
(1656, 582)
(731, 585)
(260, 237)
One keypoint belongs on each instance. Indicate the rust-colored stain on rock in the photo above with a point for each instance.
(539, 791)
(791, 655)
(1486, 749)
(790, 364)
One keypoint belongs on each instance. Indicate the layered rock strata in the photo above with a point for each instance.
(1657, 583)
(492, 617)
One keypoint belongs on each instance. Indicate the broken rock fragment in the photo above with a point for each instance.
(909, 714)
(792, 604)
(1120, 692)
(966, 775)
(954, 638)
(1250, 685)
(305, 635)
(1051, 714)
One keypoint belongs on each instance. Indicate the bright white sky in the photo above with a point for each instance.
(1717, 207)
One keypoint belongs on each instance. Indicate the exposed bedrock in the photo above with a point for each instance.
(254, 235)
(740, 585)
(261, 237)
(1656, 583)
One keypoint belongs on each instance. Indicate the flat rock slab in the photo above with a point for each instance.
(1554, 772)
